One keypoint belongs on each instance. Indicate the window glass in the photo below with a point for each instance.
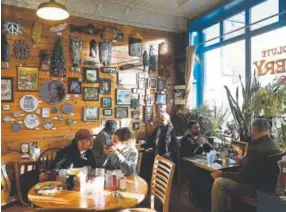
(268, 55)
(264, 10)
(210, 33)
(234, 23)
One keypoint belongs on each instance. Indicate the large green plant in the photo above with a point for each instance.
(242, 114)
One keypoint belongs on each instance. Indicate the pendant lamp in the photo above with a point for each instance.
(52, 11)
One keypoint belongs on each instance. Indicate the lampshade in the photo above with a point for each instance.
(52, 11)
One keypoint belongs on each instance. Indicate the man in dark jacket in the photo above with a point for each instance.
(246, 181)
(78, 154)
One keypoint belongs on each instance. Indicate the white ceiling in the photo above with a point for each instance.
(165, 15)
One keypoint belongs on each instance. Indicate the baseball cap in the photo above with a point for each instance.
(82, 134)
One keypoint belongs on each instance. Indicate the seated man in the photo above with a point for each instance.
(78, 154)
(103, 139)
(246, 181)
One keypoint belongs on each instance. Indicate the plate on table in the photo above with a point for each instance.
(48, 188)
(29, 103)
(31, 121)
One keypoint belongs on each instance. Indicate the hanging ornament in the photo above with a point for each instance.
(36, 32)
(76, 47)
(135, 47)
(12, 28)
(5, 49)
(21, 50)
(152, 59)
(88, 29)
(58, 63)
(45, 60)
(105, 49)
(58, 28)
(145, 60)
(92, 48)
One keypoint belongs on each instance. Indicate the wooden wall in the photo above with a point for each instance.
(63, 132)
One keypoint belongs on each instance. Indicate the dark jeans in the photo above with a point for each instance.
(222, 190)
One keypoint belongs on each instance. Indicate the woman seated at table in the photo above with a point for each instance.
(123, 153)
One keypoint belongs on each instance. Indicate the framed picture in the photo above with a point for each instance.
(121, 112)
(150, 100)
(135, 114)
(161, 99)
(7, 92)
(135, 47)
(162, 84)
(108, 70)
(152, 83)
(45, 112)
(180, 93)
(136, 125)
(148, 114)
(90, 75)
(107, 112)
(106, 102)
(123, 96)
(105, 86)
(90, 113)
(90, 94)
(134, 103)
(74, 86)
(28, 79)
(141, 83)
(127, 78)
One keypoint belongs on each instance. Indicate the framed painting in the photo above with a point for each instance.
(134, 103)
(90, 75)
(74, 85)
(136, 126)
(123, 96)
(121, 112)
(152, 83)
(28, 79)
(90, 94)
(135, 114)
(141, 83)
(105, 86)
(106, 102)
(148, 114)
(161, 99)
(90, 113)
(127, 78)
(162, 84)
(135, 47)
(7, 92)
(107, 112)
(107, 70)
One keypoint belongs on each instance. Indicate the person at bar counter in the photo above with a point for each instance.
(246, 181)
(123, 153)
(163, 139)
(103, 139)
(78, 154)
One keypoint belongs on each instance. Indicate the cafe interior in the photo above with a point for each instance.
(143, 105)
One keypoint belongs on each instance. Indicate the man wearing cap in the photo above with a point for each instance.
(78, 153)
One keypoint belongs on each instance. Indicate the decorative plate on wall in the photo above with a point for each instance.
(53, 92)
(16, 114)
(55, 110)
(29, 103)
(67, 108)
(16, 127)
(31, 121)
(48, 124)
(7, 118)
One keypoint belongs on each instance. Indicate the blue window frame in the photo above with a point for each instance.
(218, 15)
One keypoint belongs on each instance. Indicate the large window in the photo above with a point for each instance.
(232, 25)
(211, 33)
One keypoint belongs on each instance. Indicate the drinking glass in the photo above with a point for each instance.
(62, 175)
(70, 182)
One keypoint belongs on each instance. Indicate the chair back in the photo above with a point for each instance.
(46, 159)
(162, 177)
(139, 163)
(5, 186)
(271, 172)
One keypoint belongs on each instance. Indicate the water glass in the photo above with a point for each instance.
(62, 175)
(99, 172)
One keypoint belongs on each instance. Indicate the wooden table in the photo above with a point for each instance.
(134, 194)
(201, 162)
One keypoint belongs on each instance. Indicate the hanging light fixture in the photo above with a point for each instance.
(52, 11)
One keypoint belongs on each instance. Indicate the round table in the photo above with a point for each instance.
(135, 193)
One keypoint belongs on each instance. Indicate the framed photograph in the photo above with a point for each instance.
(90, 75)
(121, 112)
(152, 83)
(135, 47)
(136, 125)
(90, 94)
(7, 92)
(45, 112)
(141, 83)
(180, 93)
(150, 100)
(74, 86)
(161, 99)
(123, 96)
(106, 102)
(148, 114)
(105, 86)
(90, 113)
(134, 103)
(162, 84)
(127, 78)
(107, 70)
(28, 79)
(135, 114)
(107, 112)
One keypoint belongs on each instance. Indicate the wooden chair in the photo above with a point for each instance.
(139, 162)
(268, 180)
(6, 187)
(46, 159)
(162, 177)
